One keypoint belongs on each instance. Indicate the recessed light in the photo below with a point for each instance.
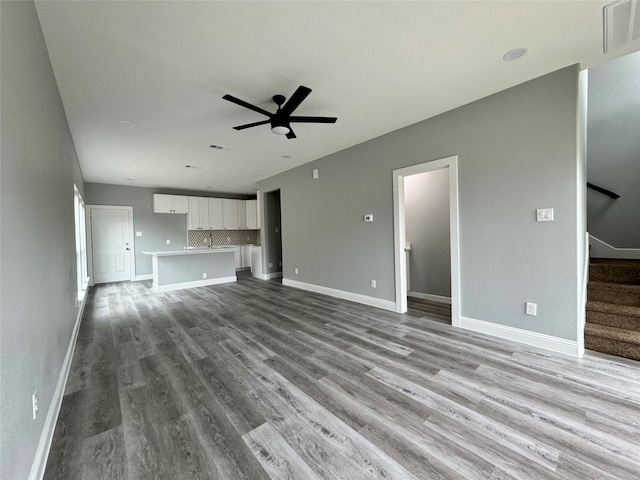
(125, 123)
(515, 54)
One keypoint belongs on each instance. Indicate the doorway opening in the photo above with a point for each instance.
(272, 231)
(450, 166)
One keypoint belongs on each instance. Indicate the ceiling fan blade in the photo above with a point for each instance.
(244, 104)
(313, 119)
(296, 99)
(249, 125)
(291, 134)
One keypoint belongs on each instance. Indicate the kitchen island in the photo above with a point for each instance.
(175, 270)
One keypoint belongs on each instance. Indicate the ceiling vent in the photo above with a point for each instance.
(220, 147)
(621, 23)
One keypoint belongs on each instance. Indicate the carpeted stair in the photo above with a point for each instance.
(613, 307)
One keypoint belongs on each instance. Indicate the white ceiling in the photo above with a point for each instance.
(377, 66)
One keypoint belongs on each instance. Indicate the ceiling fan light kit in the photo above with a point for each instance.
(280, 120)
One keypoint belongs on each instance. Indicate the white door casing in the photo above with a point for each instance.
(112, 248)
(399, 231)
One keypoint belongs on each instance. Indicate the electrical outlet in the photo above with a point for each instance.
(296, 271)
(204, 275)
(34, 403)
(531, 309)
(168, 242)
(374, 284)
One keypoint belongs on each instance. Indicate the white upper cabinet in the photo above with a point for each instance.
(252, 214)
(198, 217)
(170, 203)
(242, 214)
(215, 214)
(230, 213)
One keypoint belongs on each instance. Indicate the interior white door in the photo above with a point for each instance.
(111, 245)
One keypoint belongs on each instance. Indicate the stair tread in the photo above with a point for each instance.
(612, 333)
(615, 285)
(615, 261)
(613, 308)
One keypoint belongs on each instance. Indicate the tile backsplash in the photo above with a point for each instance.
(200, 238)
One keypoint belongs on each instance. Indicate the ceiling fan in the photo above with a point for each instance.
(281, 120)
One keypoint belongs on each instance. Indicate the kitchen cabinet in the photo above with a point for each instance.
(256, 261)
(252, 214)
(215, 214)
(163, 203)
(242, 214)
(230, 213)
(198, 216)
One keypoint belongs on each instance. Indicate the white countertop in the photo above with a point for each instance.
(195, 251)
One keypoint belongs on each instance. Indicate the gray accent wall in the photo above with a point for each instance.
(426, 210)
(517, 151)
(38, 252)
(613, 151)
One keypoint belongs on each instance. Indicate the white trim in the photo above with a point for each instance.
(269, 276)
(399, 232)
(600, 249)
(195, 283)
(148, 276)
(132, 254)
(534, 339)
(429, 296)
(44, 446)
(332, 292)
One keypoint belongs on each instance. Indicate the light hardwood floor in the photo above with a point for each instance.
(256, 380)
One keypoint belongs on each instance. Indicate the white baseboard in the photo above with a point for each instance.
(332, 292)
(42, 454)
(430, 296)
(534, 339)
(600, 249)
(148, 276)
(194, 284)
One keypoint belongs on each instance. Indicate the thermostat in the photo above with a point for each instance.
(368, 217)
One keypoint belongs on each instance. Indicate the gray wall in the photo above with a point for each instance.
(426, 209)
(613, 157)
(38, 275)
(156, 228)
(517, 151)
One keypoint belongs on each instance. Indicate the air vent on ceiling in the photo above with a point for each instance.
(621, 23)
(220, 147)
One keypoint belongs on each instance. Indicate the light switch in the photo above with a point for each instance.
(138, 234)
(168, 242)
(544, 215)
(316, 174)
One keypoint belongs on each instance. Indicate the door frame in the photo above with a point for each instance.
(132, 256)
(399, 233)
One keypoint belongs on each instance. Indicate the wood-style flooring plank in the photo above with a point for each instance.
(255, 380)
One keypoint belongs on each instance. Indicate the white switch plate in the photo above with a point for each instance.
(544, 215)
(204, 275)
(316, 174)
(374, 284)
(34, 403)
(168, 242)
(296, 271)
(138, 234)
(531, 309)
